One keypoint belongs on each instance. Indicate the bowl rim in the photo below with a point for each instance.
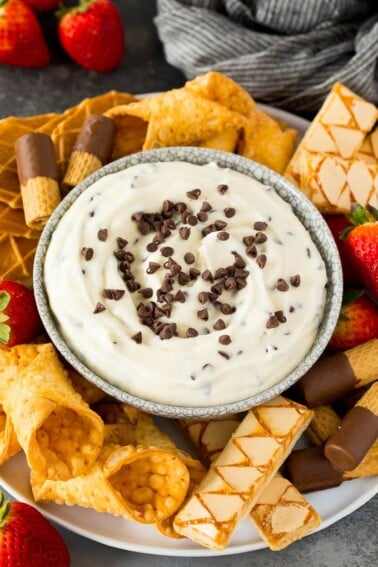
(300, 205)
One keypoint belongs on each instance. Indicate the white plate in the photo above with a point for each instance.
(332, 504)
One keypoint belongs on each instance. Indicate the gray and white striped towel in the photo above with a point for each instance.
(287, 53)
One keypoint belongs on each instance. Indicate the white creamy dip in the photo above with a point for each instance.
(274, 283)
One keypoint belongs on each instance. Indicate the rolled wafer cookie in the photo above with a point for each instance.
(336, 374)
(281, 514)
(338, 128)
(136, 482)
(60, 435)
(38, 175)
(241, 472)
(323, 424)
(310, 470)
(333, 184)
(92, 150)
(368, 151)
(348, 445)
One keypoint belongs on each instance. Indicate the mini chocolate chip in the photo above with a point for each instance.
(217, 288)
(260, 238)
(184, 216)
(220, 224)
(203, 297)
(87, 253)
(224, 354)
(184, 232)
(207, 276)
(165, 231)
(167, 331)
(120, 254)
(230, 283)
(222, 188)
(129, 257)
(191, 332)
(219, 325)
(194, 273)
(239, 262)
(260, 225)
(281, 285)
(261, 261)
(224, 339)
(180, 207)
(132, 286)
(138, 216)
(144, 227)
(205, 207)
(220, 273)
(227, 309)
(137, 338)
(121, 242)
(99, 308)
(202, 216)
(229, 212)
(189, 258)
(152, 246)
(167, 206)
(92, 214)
(291, 309)
(102, 234)
(295, 280)
(241, 282)
(152, 267)
(146, 292)
(239, 273)
(272, 322)
(115, 294)
(127, 276)
(248, 240)
(208, 229)
(192, 220)
(180, 297)
(167, 251)
(183, 278)
(175, 269)
(280, 316)
(252, 251)
(223, 235)
(194, 194)
(308, 252)
(203, 314)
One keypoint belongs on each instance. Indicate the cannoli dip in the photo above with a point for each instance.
(184, 284)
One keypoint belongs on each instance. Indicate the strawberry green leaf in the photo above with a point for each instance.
(358, 215)
(351, 295)
(5, 331)
(4, 300)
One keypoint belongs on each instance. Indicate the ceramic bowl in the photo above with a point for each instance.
(303, 209)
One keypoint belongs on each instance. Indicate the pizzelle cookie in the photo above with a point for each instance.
(241, 472)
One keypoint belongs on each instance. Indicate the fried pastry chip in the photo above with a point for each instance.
(60, 435)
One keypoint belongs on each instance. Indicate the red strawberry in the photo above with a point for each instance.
(19, 319)
(21, 38)
(361, 245)
(358, 322)
(92, 34)
(44, 5)
(27, 538)
(337, 225)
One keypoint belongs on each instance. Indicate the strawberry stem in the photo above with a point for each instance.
(78, 9)
(4, 510)
(359, 215)
(2, 3)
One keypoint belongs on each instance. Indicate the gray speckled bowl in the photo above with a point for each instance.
(301, 206)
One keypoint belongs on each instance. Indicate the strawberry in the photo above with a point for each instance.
(357, 323)
(337, 225)
(92, 34)
(361, 245)
(21, 38)
(19, 319)
(44, 5)
(27, 538)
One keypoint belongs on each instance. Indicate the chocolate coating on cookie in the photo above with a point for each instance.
(35, 155)
(97, 137)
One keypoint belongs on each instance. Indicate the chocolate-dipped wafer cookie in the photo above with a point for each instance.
(93, 148)
(346, 448)
(37, 173)
(335, 375)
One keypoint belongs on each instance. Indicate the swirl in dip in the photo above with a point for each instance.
(184, 284)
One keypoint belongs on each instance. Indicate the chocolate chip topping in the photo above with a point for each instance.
(261, 261)
(102, 234)
(203, 314)
(152, 247)
(281, 285)
(219, 325)
(190, 332)
(189, 258)
(260, 238)
(202, 216)
(295, 280)
(184, 232)
(207, 276)
(87, 253)
(152, 267)
(99, 308)
(115, 294)
(222, 188)
(121, 242)
(260, 225)
(224, 339)
(272, 322)
(192, 220)
(229, 212)
(167, 251)
(220, 224)
(194, 194)
(206, 207)
(223, 235)
(146, 292)
(137, 337)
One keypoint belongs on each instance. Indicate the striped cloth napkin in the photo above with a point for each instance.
(287, 53)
